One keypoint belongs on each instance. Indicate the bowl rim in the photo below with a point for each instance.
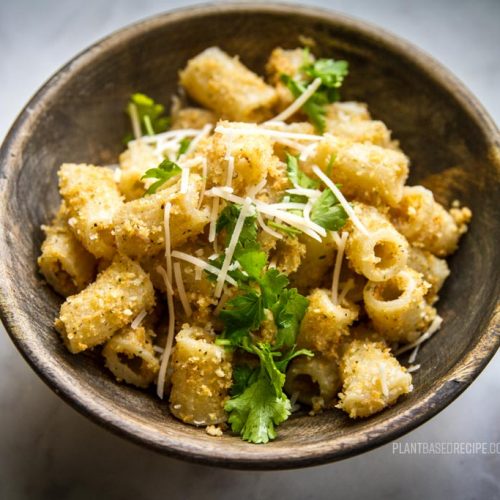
(438, 396)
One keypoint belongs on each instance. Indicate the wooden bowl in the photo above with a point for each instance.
(77, 116)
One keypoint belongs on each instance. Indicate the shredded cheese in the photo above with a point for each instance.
(182, 291)
(299, 102)
(338, 266)
(244, 213)
(168, 284)
(256, 130)
(433, 328)
(266, 228)
(134, 118)
(170, 304)
(204, 173)
(138, 320)
(413, 368)
(202, 264)
(213, 219)
(205, 131)
(345, 204)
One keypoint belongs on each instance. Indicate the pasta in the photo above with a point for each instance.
(253, 253)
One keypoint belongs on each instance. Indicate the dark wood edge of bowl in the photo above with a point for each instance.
(443, 391)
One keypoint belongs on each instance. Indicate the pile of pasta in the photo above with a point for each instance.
(145, 270)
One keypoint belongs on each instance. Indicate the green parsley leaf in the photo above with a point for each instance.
(227, 220)
(331, 73)
(163, 172)
(282, 363)
(242, 314)
(152, 118)
(251, 258)
(272, 284)
(297, 176)
(328, 212)
(184, 146)
(288, 314)
(254, 413)
(283, 228)
(243, 376)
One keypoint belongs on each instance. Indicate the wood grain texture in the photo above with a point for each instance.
(77, 116)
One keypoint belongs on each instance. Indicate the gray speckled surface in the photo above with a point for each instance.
(48, 451)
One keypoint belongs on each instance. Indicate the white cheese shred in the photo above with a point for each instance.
(204, 173)
(338, 266)
(134, 119)
(213, 219)
(182, 291)
(170, 305)
(413, 368)
(202, 264)
(345, 204)
(138, 320)
(267, 229)
(244, 212)
(299, 102)
(433, 328)
(256, 130)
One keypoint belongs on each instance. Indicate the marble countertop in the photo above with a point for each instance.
(48, 451)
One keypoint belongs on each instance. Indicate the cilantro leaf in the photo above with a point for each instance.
(243, 376)
(272, 284)
(151, 115)
(242, 314)
(297, 176)
(328, 212)
(254, 413)
(282, 363)
(227, 220)
(283, 228)
(251, 258)
(331, 73)
(163, 172)
(184, 146)
(288, 314)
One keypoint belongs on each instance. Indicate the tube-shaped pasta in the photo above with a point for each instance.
(64, 262)
(397, 307)
(94, 315)
(367, 172)
(325, 324)
(427, 224)
(381, 254)
(315, 266)
(130, 356)
(92, 198)
(134, 161)
(434, 270)
(224, 85)
(313, 381)
(252, 157)
(195, 118)
(372, 378)
(201, 378)
(139, 226)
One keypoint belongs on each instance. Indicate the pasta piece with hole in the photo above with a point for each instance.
(382, 253)
(201, 377)
(372, 378)
(227, 87)
(367, 172)
(116, 297)
(130, 356)
(325, 324)
(194, 118)
(139, 226)
(66, 265)
(427, 224)
(434, 270)
(397, 307)
(92, 198)
(315, 381)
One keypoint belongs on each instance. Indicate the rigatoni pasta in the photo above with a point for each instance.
(255, 255)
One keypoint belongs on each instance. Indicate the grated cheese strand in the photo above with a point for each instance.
(138, 320)
(433, 328)
(338, 266)
(256, 130)
(266, 228)
(205, 131)
(168, 285)
(202, 264)
(134, 119)
(299, 102)
(182, 291)
(213, 219)
(204, 173)
(413, 368)
(232, 246)
(345, 204)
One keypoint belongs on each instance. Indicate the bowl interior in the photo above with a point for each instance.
(78, 117)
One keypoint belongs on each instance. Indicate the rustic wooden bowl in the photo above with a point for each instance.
(77, 116)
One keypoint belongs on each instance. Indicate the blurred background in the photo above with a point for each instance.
(48, 451)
